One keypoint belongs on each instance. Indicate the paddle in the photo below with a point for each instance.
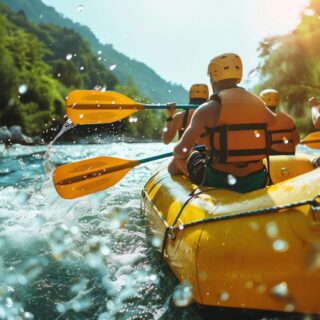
(93, 107)
(312, 140)
(84, 177)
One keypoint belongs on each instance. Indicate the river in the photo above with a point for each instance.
(90, 258)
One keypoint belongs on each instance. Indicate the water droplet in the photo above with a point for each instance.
(261, 288)
(280, 290)
(184, 150)
(81, 68)
(99, 59)
(224, 296)
(23, 88)
(99, 52)
(81, 116)
(285, 140)
(254, 225)
(203, 276)
(112, 67)
(28, 316)
(59, 75)
(69, 56)
(153, 278)
(272, 229)
(169, 91)
(289, 307)
(280, 245)
(257, 134)
(80, 8)
(9, 302)
(182, 295)
(165, 130)
(156, 242)
(231, 180)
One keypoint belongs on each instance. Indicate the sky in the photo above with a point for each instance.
(178, 38)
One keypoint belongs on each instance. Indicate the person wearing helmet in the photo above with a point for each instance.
(283, 134)
(315, 111)
(236, 137)
(178, 122)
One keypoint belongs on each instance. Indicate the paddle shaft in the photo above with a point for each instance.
(120, 167)
(102, 106)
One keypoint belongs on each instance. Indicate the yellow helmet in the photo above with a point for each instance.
(270, 97)
(225, 66)
(199, 91)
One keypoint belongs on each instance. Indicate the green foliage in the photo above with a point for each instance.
(34, 56)
(291, 65)
(149, 123)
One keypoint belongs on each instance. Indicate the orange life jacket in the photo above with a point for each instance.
(240, 134)
(281, 135)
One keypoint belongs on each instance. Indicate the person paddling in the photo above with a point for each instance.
(235, 124)
(178, 122)
(315, 111)
(283, 135)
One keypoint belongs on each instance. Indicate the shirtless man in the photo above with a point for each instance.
(315, 111)
(178, 122)
(284, 134)
(235, 124)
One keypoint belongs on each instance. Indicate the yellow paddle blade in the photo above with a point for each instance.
(312, 140)
(93, 107)
(84, 177)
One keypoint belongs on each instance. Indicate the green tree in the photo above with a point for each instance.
(149, 123)
(291, 64)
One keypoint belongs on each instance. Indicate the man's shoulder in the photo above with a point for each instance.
(209, 106)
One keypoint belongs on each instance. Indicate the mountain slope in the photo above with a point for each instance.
(150, 84)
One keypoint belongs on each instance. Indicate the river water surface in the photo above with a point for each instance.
(90, 258)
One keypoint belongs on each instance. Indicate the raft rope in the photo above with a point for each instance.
(169, 232)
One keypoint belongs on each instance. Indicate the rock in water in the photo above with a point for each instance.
(5, 135)
(18, 137)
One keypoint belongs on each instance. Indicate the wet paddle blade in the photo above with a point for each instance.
(84, 177)
(94, 107)
(312, 140)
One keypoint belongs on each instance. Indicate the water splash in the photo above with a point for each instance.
(182, 295)
(48, 165)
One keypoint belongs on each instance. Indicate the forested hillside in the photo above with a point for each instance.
(291, 64)
(147, 81)
(40, 64)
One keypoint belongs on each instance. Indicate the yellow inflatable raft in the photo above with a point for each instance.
(259, 250)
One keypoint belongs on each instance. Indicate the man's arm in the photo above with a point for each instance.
(171, 129)
(315, 112)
